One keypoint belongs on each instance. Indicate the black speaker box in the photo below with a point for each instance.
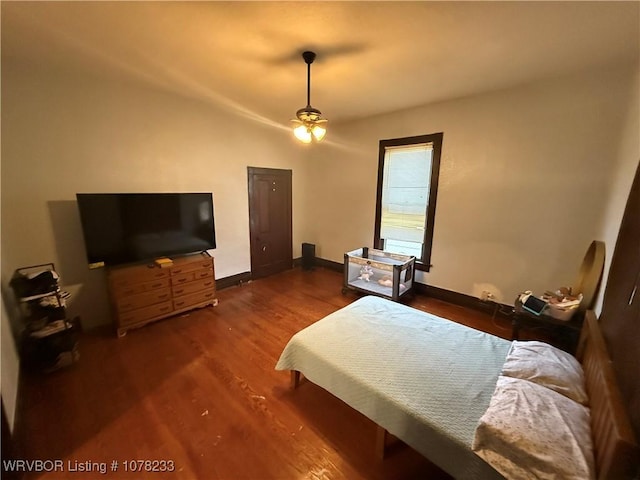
(308, 256)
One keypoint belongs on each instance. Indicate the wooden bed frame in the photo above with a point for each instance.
(615, 448)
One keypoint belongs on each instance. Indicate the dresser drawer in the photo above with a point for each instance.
(127, 277)
(193, 299)
(180, 267)
(183, 278)
(192, 287)
(132, 302)
(146, 313)
(191, 276)
(134, 289)
(204, 273)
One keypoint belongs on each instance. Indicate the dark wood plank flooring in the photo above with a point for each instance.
(201, 390)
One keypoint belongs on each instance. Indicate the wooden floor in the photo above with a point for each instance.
(201, 390)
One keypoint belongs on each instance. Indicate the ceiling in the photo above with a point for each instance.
(372, 57)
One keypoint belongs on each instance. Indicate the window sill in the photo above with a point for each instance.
(423, 267)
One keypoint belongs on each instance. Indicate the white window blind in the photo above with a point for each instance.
(405, 195)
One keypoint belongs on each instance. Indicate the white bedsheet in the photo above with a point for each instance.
(425, 379)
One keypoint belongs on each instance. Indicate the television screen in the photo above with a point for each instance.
(131, 227)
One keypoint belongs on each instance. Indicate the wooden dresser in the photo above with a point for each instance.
(141, 294)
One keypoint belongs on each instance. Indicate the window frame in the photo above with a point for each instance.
(423, 263)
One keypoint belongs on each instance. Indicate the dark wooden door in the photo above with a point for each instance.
(620, 317)
(270, 221)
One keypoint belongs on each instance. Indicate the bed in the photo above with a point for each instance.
(432, 383)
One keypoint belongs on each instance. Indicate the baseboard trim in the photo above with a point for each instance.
(461, 299)
(233, 280)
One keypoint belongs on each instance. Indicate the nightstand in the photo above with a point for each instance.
(562, 334)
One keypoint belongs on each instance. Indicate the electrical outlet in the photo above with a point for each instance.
(486, 295)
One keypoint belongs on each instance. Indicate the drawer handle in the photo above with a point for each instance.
(208, 294)
(179, 270)
(204, 274)
(164, 295)
(126, 305)
(179, 304)
(180, 280)
(164, 309)
(206, 284)
(178, 292)
(156, 285)
(159, 274)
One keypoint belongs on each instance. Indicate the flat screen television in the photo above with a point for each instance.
(123, 228)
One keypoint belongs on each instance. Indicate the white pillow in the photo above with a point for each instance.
(529, 431)
(548, 366)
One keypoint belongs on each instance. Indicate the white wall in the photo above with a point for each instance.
(626, 161)
(64, 133)
(524, 181)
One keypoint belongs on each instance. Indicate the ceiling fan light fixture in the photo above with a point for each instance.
(318, 132)
(309, 122)
(303, 133)
(307, 133)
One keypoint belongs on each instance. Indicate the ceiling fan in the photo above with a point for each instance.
(309, 124)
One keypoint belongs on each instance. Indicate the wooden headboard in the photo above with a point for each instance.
(615, 447)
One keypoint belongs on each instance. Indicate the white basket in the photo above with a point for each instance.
(559, 313)
(564, 313)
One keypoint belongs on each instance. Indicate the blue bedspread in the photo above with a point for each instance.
(425, 379)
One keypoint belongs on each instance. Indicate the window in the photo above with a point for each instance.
(408, 170)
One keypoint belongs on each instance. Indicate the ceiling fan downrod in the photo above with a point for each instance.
(308, 57)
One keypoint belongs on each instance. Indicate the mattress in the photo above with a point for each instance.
(424, 379)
